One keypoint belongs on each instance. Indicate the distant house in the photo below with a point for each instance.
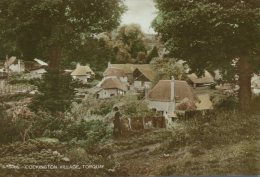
(82, 73)
(129, 69)
(36, 68)
(206, 79)
(255, 81)
(111, 87)
(255, 84)
(115, 72)
(143, 77)
(14, 65)
(169, 95)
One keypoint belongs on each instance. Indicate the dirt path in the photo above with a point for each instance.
(145, 149)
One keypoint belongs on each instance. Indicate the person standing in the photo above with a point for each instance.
(117, 123)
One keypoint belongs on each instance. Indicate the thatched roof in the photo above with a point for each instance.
(82, 70)
(10, 61)
(113, 83)
(162, 91)
(148, 73)
(40, 62)
(207, 78)
(129, 68)
(114, 72)
(205, 102)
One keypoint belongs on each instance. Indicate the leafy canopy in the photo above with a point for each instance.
(210, 33)
(35, 27)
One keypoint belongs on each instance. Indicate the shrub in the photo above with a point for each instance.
(56, 91)
(91, 132)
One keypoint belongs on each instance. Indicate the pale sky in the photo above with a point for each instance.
(140, 11)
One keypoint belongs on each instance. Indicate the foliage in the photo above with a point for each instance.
(93, 51)
(211, 34)
(152, 54)
(14, 129)
(103, 107)
(51, 26)
(132, 107)
(128, 44)
(168, 67)
(56, 93)
(91, 132)
(226, 103)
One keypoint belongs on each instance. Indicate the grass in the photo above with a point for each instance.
(221, 143)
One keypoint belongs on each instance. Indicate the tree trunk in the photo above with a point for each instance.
(245, 74)
(54, 57)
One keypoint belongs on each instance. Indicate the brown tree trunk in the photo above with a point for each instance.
(245, 74)
(54, 57)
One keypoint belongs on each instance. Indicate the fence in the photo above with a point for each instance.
(6, 88)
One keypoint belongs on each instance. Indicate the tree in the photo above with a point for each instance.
(56, 93)
(210, 34)
(168, 67)
(152, 54)
(46, 28)
(94, 52)
(129, 44)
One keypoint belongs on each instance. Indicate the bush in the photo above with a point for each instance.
(91, 132)
(225, 102)
(216, 128)
(57, 93)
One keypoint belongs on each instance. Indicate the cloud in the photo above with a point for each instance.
(140, 11)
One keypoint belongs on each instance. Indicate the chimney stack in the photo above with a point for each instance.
(172, 89)
(19, 66)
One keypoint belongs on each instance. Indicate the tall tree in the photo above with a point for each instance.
(211, 34)
(152, 54)
(94, 52)
(48, 27)
(129, 44)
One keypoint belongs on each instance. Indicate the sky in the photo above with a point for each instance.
(140, 11)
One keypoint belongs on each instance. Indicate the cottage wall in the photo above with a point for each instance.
(123, 79)
(107, 93)
(142, 84)
(130, 78)
(17, 68)
(37, 73)
(83, 79)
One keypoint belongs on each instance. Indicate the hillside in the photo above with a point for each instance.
(222, 143)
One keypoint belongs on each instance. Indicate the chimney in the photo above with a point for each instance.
(171, 107)
(146, 93)
(109, 64)
(19, 66)
(172, 89)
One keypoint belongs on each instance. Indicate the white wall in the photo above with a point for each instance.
(83, 79)
(107, 93)
(37, 73)
(142, 85)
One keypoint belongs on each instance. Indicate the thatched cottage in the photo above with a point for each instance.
(206, 79)
(167, 96)
(143, 77)
(14, 65)
(36, 68)
(139, 75)
(111, 87)
(115, 72)
(82, 73)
